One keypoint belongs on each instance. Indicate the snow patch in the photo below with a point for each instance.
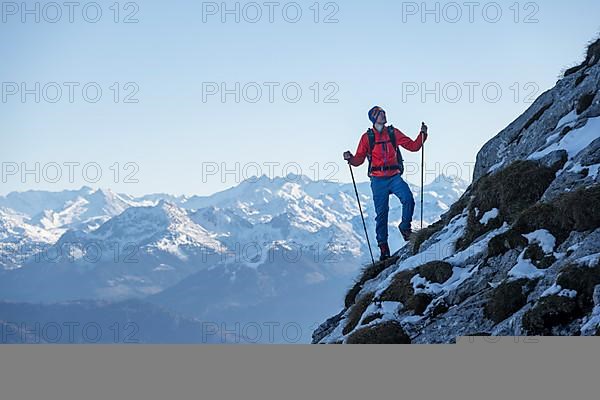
(592, 169)
(459, 275)
(574, 247)
(389, 307)
(544, 238)
(524, 269)
(488, 216)
(551, 291)
(444, 250)
(589, 260)
(567, 119)
(444, 247)
(574, 142)
(496, 166)
(591, 326)
(477, 248)
(412, 319)
(568, 293)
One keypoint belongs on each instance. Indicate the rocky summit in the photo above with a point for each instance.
(517, 254)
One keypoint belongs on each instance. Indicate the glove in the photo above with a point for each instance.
(424, 128)
(348, 156)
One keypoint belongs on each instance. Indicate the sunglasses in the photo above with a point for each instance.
(379, 111)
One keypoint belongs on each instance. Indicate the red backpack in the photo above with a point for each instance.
(372, 143)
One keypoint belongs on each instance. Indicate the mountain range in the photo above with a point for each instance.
(268, 249)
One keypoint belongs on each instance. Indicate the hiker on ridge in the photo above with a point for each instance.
(380, 145)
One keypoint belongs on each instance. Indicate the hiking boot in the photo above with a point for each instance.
(406, 234)
(385, 251)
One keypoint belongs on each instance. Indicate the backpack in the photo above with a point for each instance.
(372, 143)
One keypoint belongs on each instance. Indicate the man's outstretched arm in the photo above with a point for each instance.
(409, 144)
(361, 152)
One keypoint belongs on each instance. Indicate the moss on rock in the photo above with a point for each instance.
(510, 190)
(583, 280)
(356, 312)
(550, 312)
(389, 332)
(436, 271)
(553, 311)
(585, 102)
(506, 241)
(350, 298)
(424, 234)
(419, 303)
(538, 257)
(592, 57)
(508, 298)
(369, 272)
(439, 308)
(370, 318)
(401, 290)
(572, 211)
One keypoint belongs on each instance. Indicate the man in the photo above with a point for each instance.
(380, 146)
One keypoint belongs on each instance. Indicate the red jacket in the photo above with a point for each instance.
(385, 155)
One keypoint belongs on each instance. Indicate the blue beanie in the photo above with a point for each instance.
(374, 113)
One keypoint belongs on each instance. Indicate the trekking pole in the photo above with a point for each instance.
(422, 176)
(361, 213)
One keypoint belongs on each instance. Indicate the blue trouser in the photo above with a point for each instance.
(382, 188)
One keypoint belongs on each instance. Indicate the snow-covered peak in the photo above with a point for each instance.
(262, 210)
(33, 202)
(86, 211)
(164, 226)
(19, 239)
(448, 181)
(446, 188)
(14, 225)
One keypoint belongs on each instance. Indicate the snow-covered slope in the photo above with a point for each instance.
(164, 227)
(34, 202)
(518, 254)
(31, 220)
(141, 251)
(86, 211)
(19, 239)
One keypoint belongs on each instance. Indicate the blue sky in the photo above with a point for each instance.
(173, 141)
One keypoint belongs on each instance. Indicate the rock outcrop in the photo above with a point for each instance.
(518, 254)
